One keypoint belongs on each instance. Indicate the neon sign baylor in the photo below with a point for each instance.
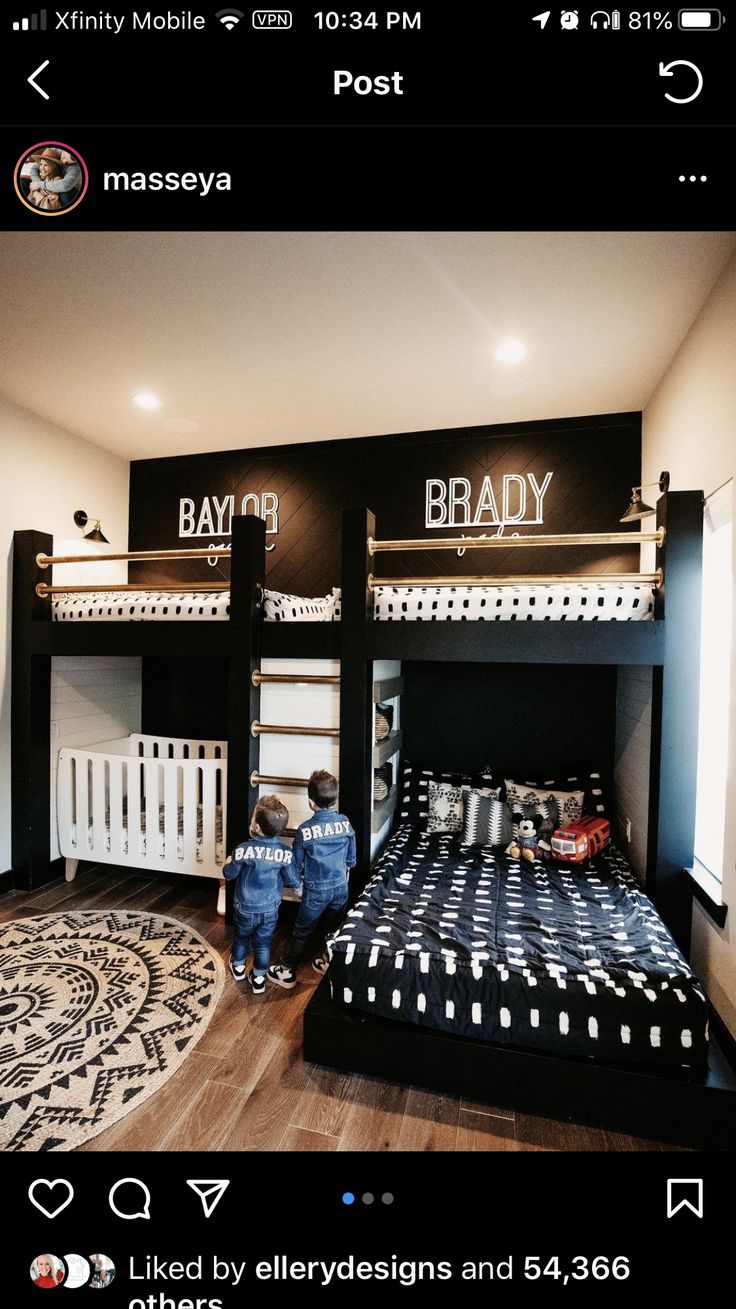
(451, 502)
(214, 517)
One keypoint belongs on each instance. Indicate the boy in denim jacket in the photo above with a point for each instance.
(324, 849)
(263, 865)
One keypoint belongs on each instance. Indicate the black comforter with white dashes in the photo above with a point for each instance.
(566, 960)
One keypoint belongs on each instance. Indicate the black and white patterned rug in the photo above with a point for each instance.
(97, 1010)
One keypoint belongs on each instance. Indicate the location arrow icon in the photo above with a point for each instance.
(209, 1190)
(542, 18)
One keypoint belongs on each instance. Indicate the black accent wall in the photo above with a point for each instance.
(527, 721)
(593, 461)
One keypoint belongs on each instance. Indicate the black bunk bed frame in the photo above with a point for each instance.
(699, 1109)
(242, 641)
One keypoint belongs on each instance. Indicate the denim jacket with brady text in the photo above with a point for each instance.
(324, 849)
(263, 865)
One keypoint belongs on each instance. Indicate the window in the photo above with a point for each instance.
(715, 676)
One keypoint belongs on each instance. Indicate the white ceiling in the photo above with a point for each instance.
(270, 337)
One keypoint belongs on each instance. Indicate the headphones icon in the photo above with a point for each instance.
(600, 13)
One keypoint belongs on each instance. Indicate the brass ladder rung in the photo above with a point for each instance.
(272, 779)
(273, 729)
(297, 679)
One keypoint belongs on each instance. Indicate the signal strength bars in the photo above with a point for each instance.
(34, 23)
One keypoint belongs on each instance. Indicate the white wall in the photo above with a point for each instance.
(45, 474)
(92, 699)
(690, 428)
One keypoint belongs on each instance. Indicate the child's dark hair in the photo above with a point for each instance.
(271, 815)
(322, 789)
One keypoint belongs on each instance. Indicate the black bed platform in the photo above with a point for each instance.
(686, 1109)
(547, 989)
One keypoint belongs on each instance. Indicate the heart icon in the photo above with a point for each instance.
(47, 1209)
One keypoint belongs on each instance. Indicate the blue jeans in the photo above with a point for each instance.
(254, 931)
(329, 901)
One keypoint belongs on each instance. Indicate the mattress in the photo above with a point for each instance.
(559, 602)
(159, 836)
(536, 956)
(189, 606)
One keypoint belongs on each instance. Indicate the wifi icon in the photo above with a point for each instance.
(229, 17)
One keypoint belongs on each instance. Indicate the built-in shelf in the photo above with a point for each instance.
(387, 748)
(388, 689)
(383, 811)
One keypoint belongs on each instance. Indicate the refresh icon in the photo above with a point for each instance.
(668, 70)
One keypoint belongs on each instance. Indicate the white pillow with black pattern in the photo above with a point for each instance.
(487, 820)
(445, 807)
(545, 815)
(281, 608)
(569, 803)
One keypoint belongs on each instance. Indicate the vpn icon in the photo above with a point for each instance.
(229, 17)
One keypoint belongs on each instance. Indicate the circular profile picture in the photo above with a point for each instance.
(103, 1271)
(78, 1270)
(51, 178)
(47, 1271)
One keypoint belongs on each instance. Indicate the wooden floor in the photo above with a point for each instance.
(246, 1087)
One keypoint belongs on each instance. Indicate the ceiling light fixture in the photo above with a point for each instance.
(81, 519)
(637, 508)
(146, 401)
(511, 351)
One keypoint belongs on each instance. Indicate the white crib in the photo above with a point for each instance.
(145, 802)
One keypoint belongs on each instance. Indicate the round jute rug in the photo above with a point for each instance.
(97, 1010)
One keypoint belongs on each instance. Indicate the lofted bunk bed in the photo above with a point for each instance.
(164, 799)
(461, 967)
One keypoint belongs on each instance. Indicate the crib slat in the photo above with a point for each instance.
(209, 815)
(190, 798)
(68, 837)
(82, 805)
(150, 784)
(171, 812)
(117, 852)
(99, 826)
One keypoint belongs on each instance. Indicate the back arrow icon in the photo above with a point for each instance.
(665, 70)
(34, 75)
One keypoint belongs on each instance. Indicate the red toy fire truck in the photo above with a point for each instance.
(581, 840)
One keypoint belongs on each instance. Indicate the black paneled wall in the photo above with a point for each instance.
(533, 721)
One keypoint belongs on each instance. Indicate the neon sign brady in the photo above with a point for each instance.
(452, 502)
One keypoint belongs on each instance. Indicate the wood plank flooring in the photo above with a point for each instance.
(246, 1086)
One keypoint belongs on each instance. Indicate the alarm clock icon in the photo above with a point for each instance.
(569, 19)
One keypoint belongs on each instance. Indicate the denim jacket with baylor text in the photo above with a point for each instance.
(263, 865)
(324, 849)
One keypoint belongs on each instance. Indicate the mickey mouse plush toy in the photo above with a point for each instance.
(529, 844)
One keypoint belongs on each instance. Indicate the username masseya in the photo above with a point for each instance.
(77, 20)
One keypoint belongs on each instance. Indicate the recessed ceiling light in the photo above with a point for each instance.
(147, 401)
(511, 351)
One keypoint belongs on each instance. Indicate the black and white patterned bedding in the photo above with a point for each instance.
(559, 602)
(187, 606)
(540, 956)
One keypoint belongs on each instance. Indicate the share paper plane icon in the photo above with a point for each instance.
(210, 1192)
(542, 19)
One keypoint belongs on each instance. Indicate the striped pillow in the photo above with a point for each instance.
(487, 819)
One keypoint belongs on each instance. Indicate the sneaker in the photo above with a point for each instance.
(321, 964)
(237, 969)
(257, 982)
(282, 975)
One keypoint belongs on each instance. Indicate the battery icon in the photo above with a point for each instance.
(699, 20)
